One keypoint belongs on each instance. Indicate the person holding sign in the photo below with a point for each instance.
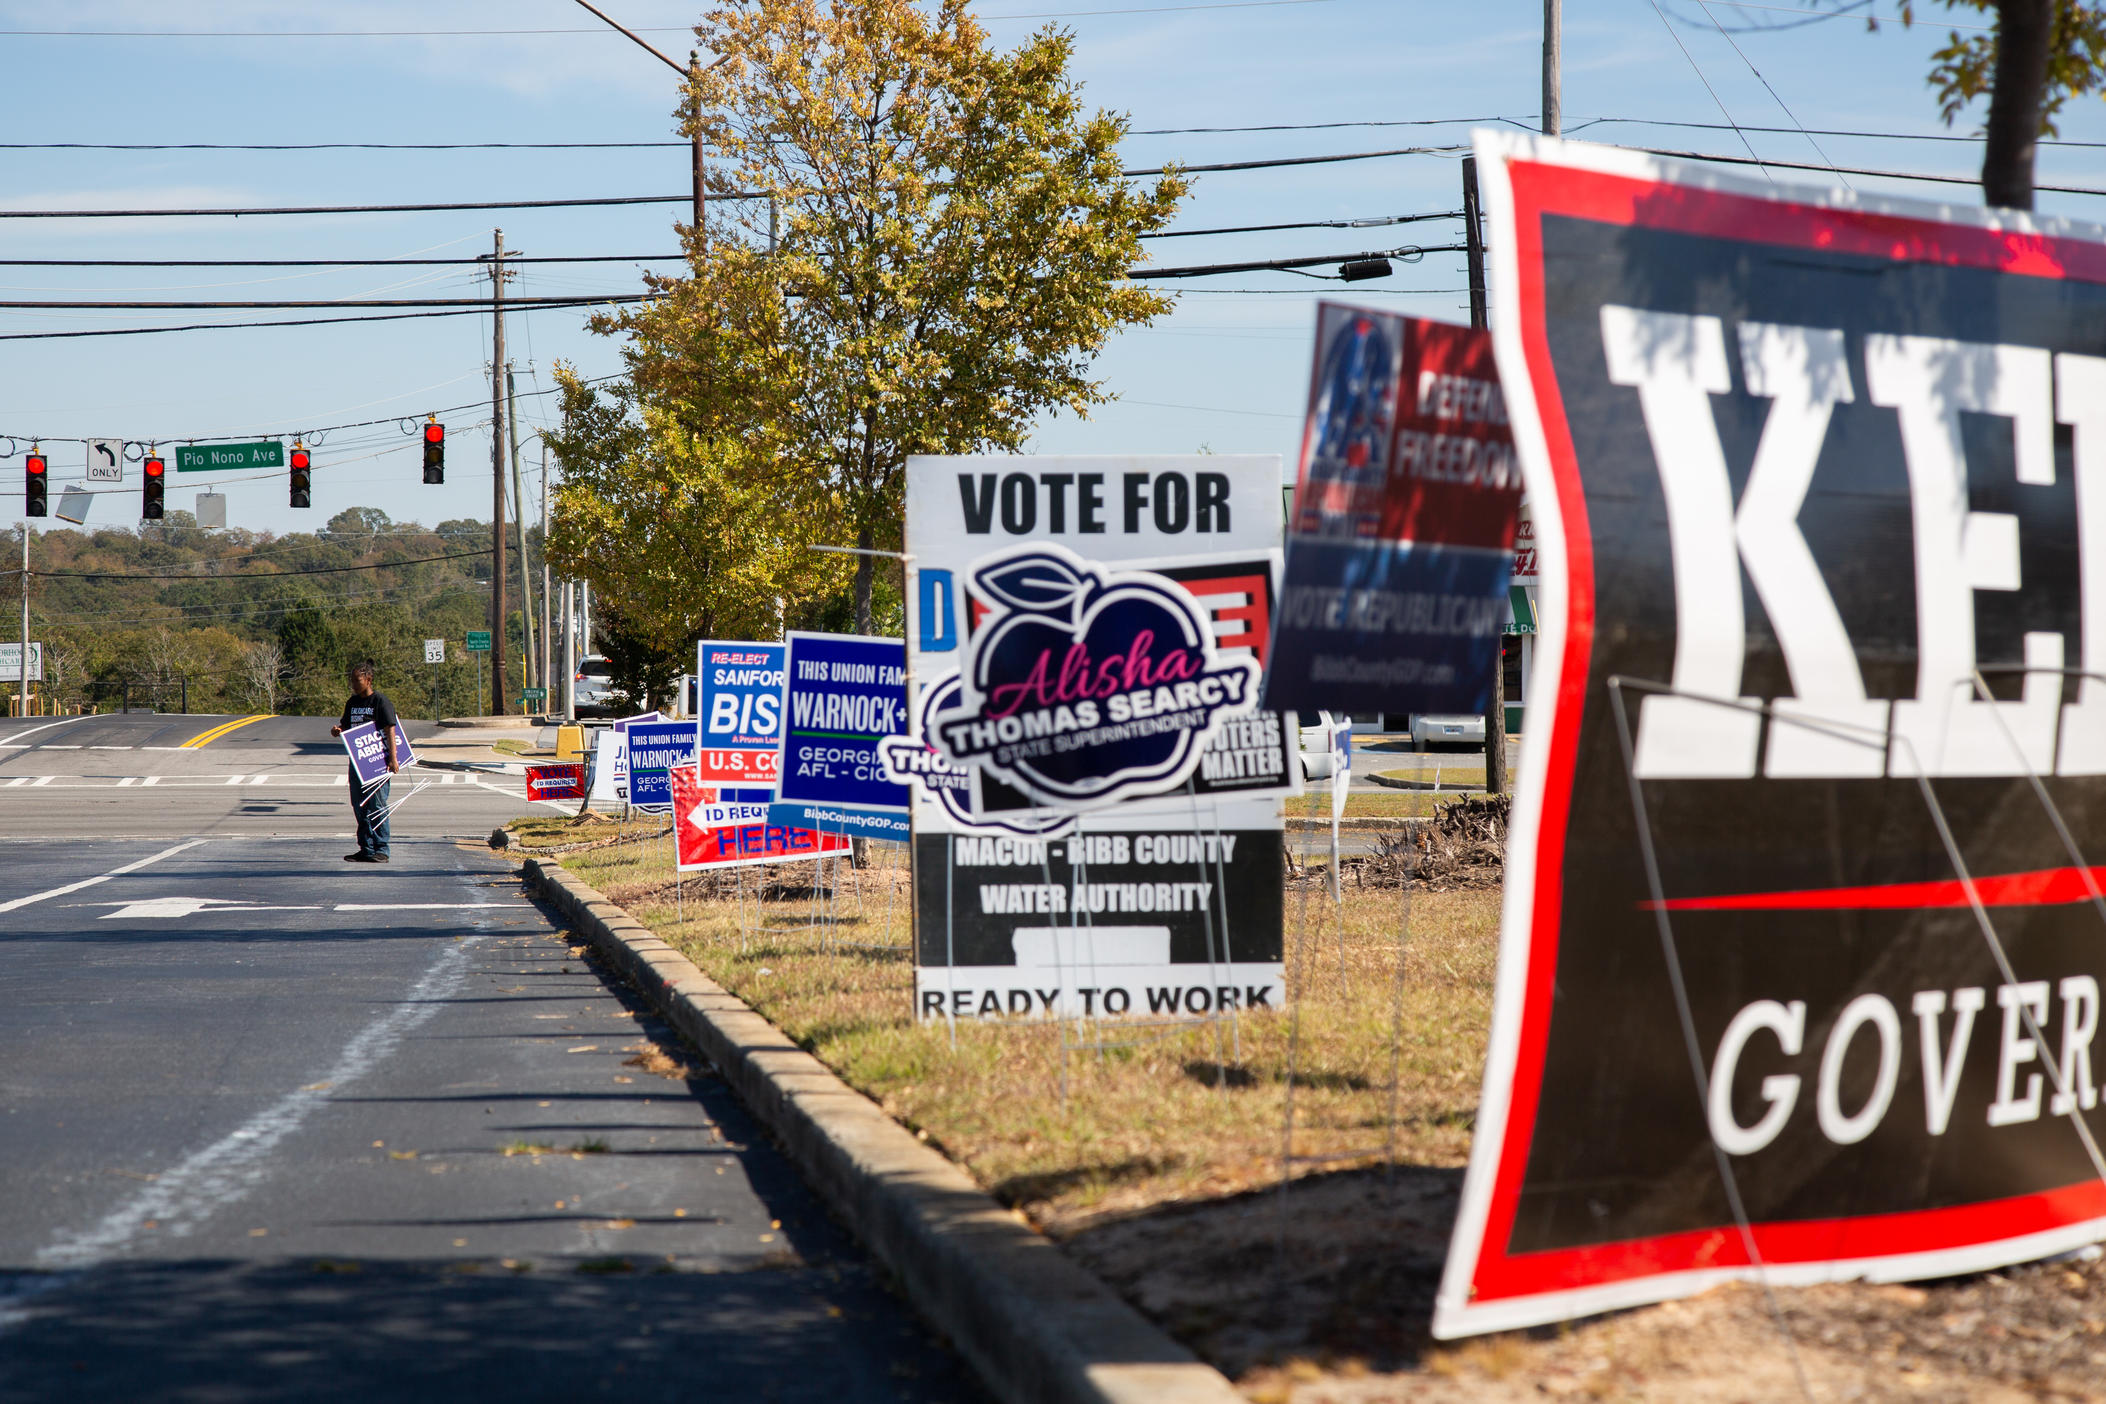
(369, 803)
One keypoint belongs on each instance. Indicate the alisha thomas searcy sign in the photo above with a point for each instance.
(1089, 684)
(1800, 462)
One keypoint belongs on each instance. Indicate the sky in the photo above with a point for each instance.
(1227, 371)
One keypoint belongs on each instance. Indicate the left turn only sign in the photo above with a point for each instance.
(105, 461)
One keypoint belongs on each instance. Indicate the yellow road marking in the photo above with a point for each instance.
(206, 738)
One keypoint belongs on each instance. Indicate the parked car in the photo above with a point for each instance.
(1429, 729)
(594, 682)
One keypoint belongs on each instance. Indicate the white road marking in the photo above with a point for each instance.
(192, 1191)
(90, 882)
(127, 780)
(164, 748)
(16, 739)
(41, 781)
(54, 746)
(150, 780)
(18, 781)
(168, 908)
(107, 748)
(518, 795)
(236, 779)
(433, 907)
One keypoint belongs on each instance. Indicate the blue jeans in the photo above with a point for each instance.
(370, 807)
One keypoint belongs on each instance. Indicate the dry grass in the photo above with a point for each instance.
(1072, 1134)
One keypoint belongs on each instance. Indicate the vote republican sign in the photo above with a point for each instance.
(1799, 975)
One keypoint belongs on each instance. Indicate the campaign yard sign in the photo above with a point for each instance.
(739, 711)
(1800, 462)
(1401, 542)
(1165, 898)
(369, 755)
(727, 828)
(843, 695)
(654, 748)
(556, 782)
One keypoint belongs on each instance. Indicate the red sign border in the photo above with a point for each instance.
(1487, 1288)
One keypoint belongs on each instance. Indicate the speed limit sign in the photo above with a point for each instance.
(435, 650)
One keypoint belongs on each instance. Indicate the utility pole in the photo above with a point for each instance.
(1473, 247)
(527, 658)
(547, 608)
(1553, 41)
(497, 473)
(22, 688)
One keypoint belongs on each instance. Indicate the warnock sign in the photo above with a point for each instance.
(1402, 537)
(1803, 941)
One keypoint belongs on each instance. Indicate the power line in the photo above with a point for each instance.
(324, 262)
(1307, 224)
(299, 321)
(237, 212)
(307, 304)
(1300, 160)
(1849, 170)
(508, 33)
(1409, 254)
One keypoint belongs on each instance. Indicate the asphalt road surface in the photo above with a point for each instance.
(274, 1126)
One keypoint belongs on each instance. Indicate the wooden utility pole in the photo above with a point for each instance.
(1553, 41)
(1473, 246)
(527, 658)
(497, 473)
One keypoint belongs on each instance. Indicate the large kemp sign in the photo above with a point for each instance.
(1800, 463)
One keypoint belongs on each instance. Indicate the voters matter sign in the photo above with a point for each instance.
(1800, 461)
(1403, 531)
(843, 695)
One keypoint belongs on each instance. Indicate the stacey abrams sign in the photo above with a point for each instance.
(1819, 486)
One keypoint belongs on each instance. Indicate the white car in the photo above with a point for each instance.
(1428, 729)
(594, 680)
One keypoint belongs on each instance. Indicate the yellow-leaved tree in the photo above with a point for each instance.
(916, 243)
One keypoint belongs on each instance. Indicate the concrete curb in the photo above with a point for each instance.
(1033, 1324)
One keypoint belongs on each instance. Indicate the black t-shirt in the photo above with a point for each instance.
(374, 708)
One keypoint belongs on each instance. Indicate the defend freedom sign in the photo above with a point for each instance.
(1403, 529)
(1889, 419)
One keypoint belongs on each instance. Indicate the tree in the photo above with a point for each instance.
(947, 255)
(261, 676)
(639, 668)
(2041, 54)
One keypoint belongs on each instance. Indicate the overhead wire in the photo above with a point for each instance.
(1774, 95)
(1698, 70)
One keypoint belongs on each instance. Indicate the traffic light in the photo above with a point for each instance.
(155, 479)
(299, 476)
(36, 483)
(434, 452)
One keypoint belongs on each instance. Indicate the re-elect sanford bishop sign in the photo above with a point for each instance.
(1801, 464)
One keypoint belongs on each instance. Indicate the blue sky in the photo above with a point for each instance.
(1228, 370)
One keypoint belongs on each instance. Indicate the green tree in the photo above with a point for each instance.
(951, 236)
(2039, 55)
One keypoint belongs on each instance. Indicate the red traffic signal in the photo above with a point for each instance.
(153, 484)
(434, 452)
(300, 462)
(35, 486)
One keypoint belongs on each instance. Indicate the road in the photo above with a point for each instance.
(274, 1126)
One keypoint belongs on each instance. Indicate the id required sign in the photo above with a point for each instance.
(1798, 978)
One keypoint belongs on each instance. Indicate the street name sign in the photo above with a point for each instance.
(478, 640)
(209, 458)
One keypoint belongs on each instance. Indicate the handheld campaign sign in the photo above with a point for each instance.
(1402, 537)
(1815, 480)
(740, 711)
(654, 748)
(727, 828)
(843, 696)
(369, 756)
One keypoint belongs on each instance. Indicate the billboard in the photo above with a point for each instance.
(1798, 974)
